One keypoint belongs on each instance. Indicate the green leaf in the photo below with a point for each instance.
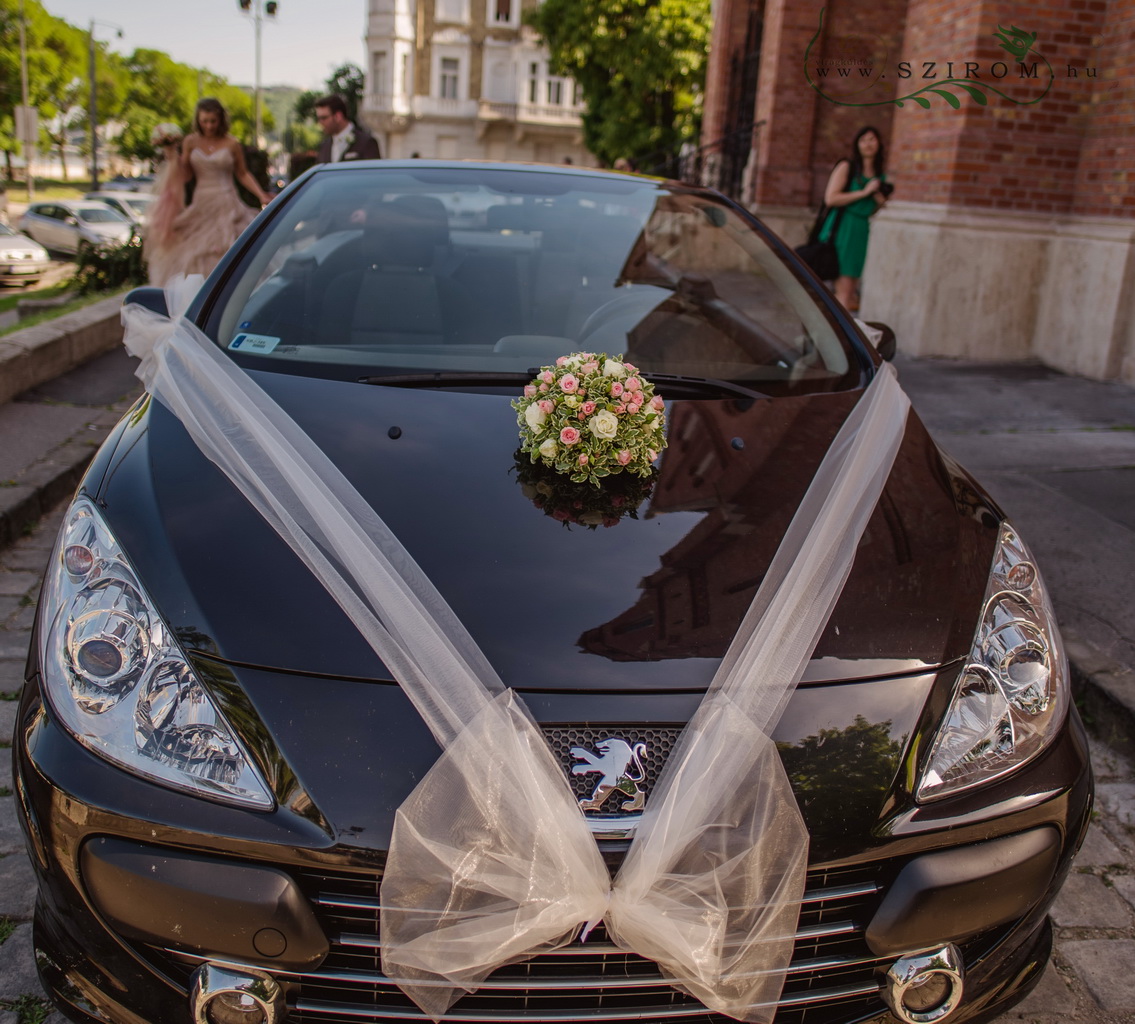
(976, 93)
(949, 97)
(922, 101)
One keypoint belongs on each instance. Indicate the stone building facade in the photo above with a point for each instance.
(1010, 131)
(466, 79)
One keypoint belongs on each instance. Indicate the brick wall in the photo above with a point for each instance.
(1051, 155)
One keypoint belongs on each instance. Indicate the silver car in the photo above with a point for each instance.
(68, 225)
(134, 206)
(22, 261)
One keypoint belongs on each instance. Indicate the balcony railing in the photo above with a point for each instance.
(531, 113)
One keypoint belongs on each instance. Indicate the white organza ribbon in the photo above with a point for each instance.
(491, 860)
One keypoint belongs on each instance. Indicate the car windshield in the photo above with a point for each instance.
(459, 269)
(6, 231)
(138, 204)
(99, 215)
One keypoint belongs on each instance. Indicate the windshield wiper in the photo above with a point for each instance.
(425, 380)
(671, 382)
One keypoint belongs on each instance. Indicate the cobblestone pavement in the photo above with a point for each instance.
(1090, 981)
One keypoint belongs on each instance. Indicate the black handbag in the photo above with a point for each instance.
(822, 256)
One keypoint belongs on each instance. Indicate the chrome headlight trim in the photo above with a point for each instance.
(118, 681)
(1013, 693)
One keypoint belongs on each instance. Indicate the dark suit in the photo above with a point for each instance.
(364, 147)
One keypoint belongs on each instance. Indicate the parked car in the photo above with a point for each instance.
(209, 756)
(129, 183)
(67, 225)
(22, 261)
(134, 206)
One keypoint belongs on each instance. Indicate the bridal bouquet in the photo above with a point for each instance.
(165, 134)
(591, 416)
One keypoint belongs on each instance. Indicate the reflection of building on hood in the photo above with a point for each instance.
(691, 606)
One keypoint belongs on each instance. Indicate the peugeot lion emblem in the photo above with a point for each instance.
(614, 764)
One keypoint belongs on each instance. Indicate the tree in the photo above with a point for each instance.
(641, 66)
(348, 81)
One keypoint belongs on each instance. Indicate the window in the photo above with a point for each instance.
(555, 92)
(378, 74)
(452, 10)
(449, 70)
(502, 11)
(533, 82)
(404, 74)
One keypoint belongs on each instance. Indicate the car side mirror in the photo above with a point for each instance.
(148, 297)
(73, 221)
(887, 344)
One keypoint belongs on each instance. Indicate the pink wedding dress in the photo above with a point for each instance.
(191, 240)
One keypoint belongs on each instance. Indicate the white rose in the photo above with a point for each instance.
(534, 416)
(604, 425)
(613, 368)
(548, 449)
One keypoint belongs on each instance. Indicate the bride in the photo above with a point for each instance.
(192, 239)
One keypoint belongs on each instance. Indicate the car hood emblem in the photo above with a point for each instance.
(620, 766)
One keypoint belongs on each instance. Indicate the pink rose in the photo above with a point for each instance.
(568, 383)
(657, 403)
(618, 501)
(616, 389)
(590, 367)
(529, 390)
(547, 377)
(543, 387)
(620, 409)
(633, 384)
(610, 520)
(633, 408)
(561, 360)
(630, 368)
(651, 454)
(587, 408)
(561, 515)
(583, 460)
(581, 415)
(569, 435)
(547, 406)
(624, 457)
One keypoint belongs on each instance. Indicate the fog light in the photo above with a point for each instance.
(925, 987)
(220, 995)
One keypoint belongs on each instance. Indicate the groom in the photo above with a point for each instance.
(341, 139)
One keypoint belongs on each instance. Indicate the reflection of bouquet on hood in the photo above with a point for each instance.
(569, 502)
(165, 134)
(591, 417)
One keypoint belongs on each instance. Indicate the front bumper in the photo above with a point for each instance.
(139, 886)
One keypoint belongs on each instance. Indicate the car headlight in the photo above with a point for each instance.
(118, 680)
(1012, 695)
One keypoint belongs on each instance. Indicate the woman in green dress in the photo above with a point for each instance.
(858, 187)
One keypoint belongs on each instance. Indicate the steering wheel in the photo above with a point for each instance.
(629, 305)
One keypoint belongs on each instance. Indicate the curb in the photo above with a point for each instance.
(35, 355)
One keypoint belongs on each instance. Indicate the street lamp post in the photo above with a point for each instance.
(253, 7)
(93, 109)
(28, 134)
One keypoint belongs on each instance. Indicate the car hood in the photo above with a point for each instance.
(647, 603)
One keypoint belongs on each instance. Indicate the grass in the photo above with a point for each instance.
(45, 188)
(69, 307)
(29, 1009)
(9, 302)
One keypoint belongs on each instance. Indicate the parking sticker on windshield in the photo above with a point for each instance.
(253, 343)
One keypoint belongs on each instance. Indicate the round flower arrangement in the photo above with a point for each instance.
(591, 416)
(581, 504)
(165, 134)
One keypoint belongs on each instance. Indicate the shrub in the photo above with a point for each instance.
(110, 267)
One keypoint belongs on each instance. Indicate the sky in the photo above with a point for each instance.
(300, 46)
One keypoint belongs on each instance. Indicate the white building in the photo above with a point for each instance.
(465, 79)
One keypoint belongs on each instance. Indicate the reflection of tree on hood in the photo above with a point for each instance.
(841, 776)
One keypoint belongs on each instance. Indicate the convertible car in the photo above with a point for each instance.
(209, 756)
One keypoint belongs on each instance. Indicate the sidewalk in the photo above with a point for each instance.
(1057, 452)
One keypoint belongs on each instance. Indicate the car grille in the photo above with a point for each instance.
(832, 978)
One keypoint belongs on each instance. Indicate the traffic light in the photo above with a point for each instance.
(270, 7)
(245, 5)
